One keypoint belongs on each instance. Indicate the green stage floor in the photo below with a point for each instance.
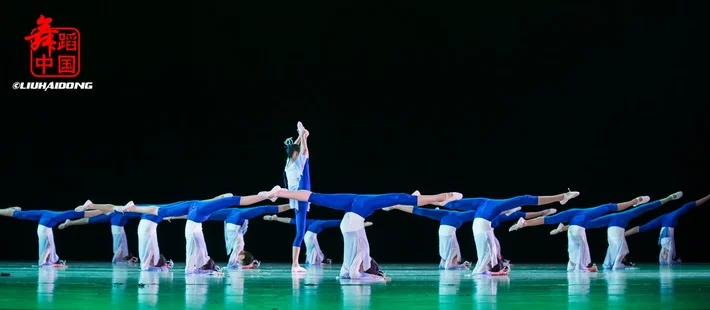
(528, 287)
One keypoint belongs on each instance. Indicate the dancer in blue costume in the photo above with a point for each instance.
(616, 224)
(578, 248)
(314, 254)
(297, 176)
(46, 221)
(197, 260)
(121, 254)
(236, 222)
(356, 256)
(667, 224)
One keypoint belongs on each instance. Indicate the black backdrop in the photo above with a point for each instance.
(491, 99)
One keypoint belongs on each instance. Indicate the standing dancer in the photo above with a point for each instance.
(121, 254)
(356, 256)
(47, 220)
(579, 257)
(297, 175)
(486, 211)
(509, 217)
(236, 222)
(449, 222)
(197, 211)
(667, 223)
(314, 255)
(617, 222)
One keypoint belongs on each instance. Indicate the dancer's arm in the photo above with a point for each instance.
(561, 228)
(631, 231)
(170, 218)
(83, 221)
(274, 218)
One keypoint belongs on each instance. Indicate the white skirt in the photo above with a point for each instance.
(486, 249)
(234, 242)
(314, 255)
(356, 254)
(667, 255)
(148, 250)
(120, 244)
(578, 249)
(449, 249)
(195, 247)
(617, 250)
(47, 251)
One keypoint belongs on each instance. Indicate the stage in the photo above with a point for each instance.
(103, 286)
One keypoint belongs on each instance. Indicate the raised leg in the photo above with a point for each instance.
(10, 211)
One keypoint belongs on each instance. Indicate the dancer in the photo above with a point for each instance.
(509, 217)
(579, 257)
(617, 222)
(297, 176)
(197, 211)
(667, 223)
(356, 256)
(449, 222)
(47, 220)
(486, 211)
(118, 220)
(314, 255)
(236, 222)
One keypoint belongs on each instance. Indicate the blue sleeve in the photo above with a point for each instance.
(431, 213)
(220, 215)
(101, 218)
(318, 226)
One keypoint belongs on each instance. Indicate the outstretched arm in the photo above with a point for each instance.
(631, 231)
(170, 218)
(68, 223)
(274, 218)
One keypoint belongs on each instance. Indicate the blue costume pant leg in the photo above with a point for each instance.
(652, 225)
(302, 211)
(562, 217)
(68, 215)
(370, 203)
(250, 213)
(466, 204)
(592, 213)
(175, 209)
(491, 208)
(31, 215)
(211, 206)
(341, 202)
(430, 213)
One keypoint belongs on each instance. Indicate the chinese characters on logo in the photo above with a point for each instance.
(55, 52)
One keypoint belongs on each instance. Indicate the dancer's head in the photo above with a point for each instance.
(245, 258)
(292, 150)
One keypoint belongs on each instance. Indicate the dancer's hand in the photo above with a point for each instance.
(65, 224)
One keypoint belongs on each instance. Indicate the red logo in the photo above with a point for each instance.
(55, 52)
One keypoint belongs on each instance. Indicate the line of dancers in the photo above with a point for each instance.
(452, 210)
